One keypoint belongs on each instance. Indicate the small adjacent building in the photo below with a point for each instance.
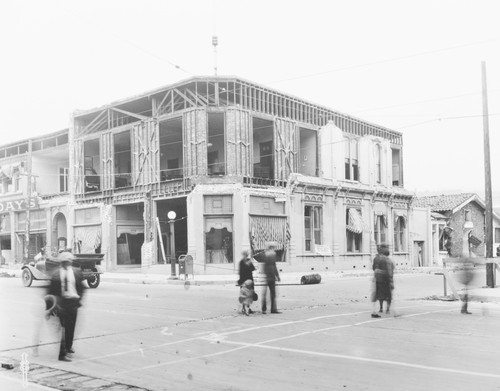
(457, 225)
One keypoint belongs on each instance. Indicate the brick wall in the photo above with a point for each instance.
(457, 221)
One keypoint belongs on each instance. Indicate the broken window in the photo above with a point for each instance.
(216, 144)
(92, 165)
(122, 159)
(313, 223)
(308, 152)
(171, 149)
(263, 148)
(400, 234)
(354, 230)
(351, 159)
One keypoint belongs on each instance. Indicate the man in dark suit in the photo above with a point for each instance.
(272, 275)
(67, 285)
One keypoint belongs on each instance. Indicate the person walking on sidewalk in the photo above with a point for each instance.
(383, 270)
(246, 283)
(272, 275)
(66, 285)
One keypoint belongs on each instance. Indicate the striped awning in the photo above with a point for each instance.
(264, 229)
(356, 223)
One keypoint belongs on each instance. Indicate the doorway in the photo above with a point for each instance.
(418, 254)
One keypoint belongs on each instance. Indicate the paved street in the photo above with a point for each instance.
(176, 337)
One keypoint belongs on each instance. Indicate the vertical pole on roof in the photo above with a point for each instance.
(488, 234)
(215, 42)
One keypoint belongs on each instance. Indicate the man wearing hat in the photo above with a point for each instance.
(67, 285)
(272, 275)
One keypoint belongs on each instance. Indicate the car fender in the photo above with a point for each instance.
(37, 274)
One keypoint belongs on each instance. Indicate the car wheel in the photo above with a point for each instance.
(94, 280)
(27, 278)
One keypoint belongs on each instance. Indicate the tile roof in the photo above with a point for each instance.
(443, 202)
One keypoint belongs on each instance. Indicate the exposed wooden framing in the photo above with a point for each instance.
(216, 93)
(185, 98)
(159, 107)
(199, 100)
(138, 116)
(90, 127)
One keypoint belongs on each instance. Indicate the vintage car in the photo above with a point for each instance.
(43, 269)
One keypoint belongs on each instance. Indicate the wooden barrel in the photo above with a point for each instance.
(310, 279)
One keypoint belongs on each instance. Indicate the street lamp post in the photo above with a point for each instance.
(171, 221)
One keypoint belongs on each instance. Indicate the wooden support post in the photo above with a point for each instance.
(161, 241)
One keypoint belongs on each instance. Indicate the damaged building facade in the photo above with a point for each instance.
(34, 197)
(240, 165)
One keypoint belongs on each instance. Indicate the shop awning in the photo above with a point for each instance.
(356, 223)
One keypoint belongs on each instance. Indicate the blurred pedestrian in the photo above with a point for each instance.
(383, 269)
(247, 296)
(272, 275)
(465, 276)
(66, 285)
(246, 282)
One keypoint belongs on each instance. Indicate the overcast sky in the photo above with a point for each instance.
(412, 66)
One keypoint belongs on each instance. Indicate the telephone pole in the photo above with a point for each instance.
(488, 233)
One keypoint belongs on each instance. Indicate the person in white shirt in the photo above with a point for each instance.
(67, 285)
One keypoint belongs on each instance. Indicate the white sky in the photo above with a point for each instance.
(412, 66)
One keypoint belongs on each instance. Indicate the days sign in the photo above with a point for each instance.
(18, 205)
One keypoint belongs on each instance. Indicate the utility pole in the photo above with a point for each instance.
(488, 233)
(29, 190)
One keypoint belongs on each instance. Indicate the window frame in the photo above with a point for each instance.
(354, 241)
(400, 242)
(315, 229)
(351, 162)
(379, 230)
(64, 176)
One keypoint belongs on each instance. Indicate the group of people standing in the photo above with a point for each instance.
(246, 281)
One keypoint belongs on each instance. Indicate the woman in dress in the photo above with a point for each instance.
(246, 283)
(383, 269)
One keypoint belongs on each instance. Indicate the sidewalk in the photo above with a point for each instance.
(159, 274)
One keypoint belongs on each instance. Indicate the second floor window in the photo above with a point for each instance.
(351, 159)
(378, 163)
(63, 179)
(313, 222)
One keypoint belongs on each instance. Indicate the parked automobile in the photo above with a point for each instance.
(43, 269)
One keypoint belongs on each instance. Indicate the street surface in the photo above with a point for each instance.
(188, 337)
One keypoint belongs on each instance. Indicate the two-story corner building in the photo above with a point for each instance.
(240, 165)
(457, 225)
(34, 196)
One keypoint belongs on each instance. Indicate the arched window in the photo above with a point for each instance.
(400, 234)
